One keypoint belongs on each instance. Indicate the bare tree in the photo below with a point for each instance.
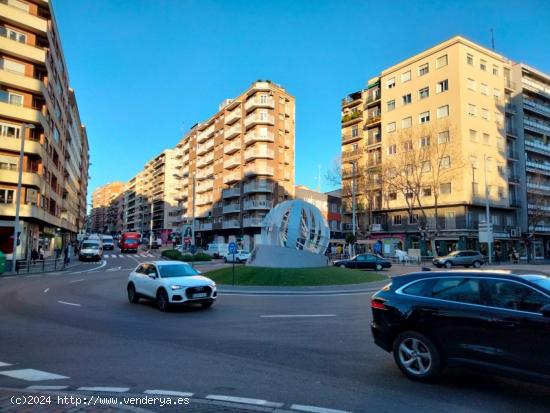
(538, 205)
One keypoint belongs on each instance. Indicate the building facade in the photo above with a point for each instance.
(34, 91)
(330, 205)
(105, 207)
(428, 142)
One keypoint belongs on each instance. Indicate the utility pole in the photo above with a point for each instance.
(488, 214)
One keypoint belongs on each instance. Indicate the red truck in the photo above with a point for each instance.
(129, 241)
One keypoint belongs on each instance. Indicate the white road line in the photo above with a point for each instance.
(296, 315)
(2, 364)
(169, 393)
(113, 269)
(121, 256)
(46, 290)
(245, 400)
(34, 275)
(105, 389)
(105, 255)
(150, 255)
(315, 409)
(32, 375)
(103, 264)
(76, 281)
(66, 303)
(47, 387)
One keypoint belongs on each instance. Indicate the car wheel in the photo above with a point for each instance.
(416, 356)
(207, 305)
(476, 264)
(378, 267)
(162, 300)
(342, 265)
(133, 297)
(448, 264)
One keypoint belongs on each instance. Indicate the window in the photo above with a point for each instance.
(424, 141)
(392, 196)
(406, 123)
(471, 84)
(354, 131)
(443, 137)
(424, 117)
(392, 149)
(9, 131)
(501, 192)
(442, 86)
(495, 70)
(390, 127)
(470, 59)
(441, 61)
(397, 220)
(483, 65)
(473, 135)
(463, 290)
(442, 111)
(484, 89)
(471, 109)
(408, 146)
(413, 219)
(407, 99)
(445, 189)
(427, 191)
(390, 83)
(486, 139)
(445, 162)
(423, 69)
(391, 105)
(13, 34)
(11, 98)
(484, 113)
(496, 93)
(12, 66)
(55, 134)
(6, 196)
(424, 93)
(405, 77)
(515, 296)
(426, 166)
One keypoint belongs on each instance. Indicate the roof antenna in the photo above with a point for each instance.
(492, 38)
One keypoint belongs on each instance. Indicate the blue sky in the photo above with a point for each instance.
(144, 71)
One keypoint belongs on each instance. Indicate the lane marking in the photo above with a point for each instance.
(105, 389)
(245, 400)
(150, 255)
(76, 281)
(46, 290)
(296, 315)
(121, 256)
(315, 409)
(113, 269)
(105, 255)
(32, 375)
(296, 294)
(103, 264)
(2, 364)
(47, 387)
(66, 303)
(34, 275)
(169, 393)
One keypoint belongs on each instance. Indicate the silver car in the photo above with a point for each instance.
(458, 258)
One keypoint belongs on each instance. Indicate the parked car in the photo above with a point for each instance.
(493, 320)
(240, 256)
(371, 261)
(170, 283)
(90, 250)
(466, 258)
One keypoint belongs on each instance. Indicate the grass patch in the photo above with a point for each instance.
(245, 275)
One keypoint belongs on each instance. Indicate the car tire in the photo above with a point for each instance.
(448, 264)
(476, 264)
(162, 300)
(206, 306)
(378, 267)
(342, 265)
(417, 357)
(133, 296)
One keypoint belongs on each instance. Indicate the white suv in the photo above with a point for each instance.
(170, 282)
(240, 256)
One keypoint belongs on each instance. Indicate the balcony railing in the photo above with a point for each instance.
(231, 192)
(259, 136)
(233, 116)
(233, 131)
(231, 208)
(258, 170)
(351, 153)
(538, 145)
(204, 148)
(351, 137)
(373, 119)
(231, 223)
(232, 162)
(348, 117)
(258, 187)
(231, 177)
(263, 101)
(258, 204)
(231, 147)
(538, 126)
(538, 165)
(257, 153)
(252, 222)
(259, 118)
(537, 106)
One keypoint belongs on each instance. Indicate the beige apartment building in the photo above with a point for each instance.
(235, 166)
(430, 139)
(104, 204)
(34, 90)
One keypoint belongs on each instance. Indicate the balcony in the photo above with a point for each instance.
(538, 166)
(258, 86)
(231, 192)
(203, 226)
(232, 147)
(205, 160)
(252, 222)
(206, 134)
(204, 173)
(351, 153)
(513, 179)
(261, 204)
(231, 117)
(262, 101)
(538, 146)
(538, 187)
(508, 84)
(233, 131)
(536, 86)
(204, 200)
(348, 138)
(255, 169)
(351, 118)
(539, 127)
(259, 136)
(351, 100)
(21, 50)
(231, 223)
(258, 186)
(511, 132)
(537, 107)
(21, 81)
(257, 118)
(206, 147)
(22, 18)
(22, 113)
(373, 120)
(232, 162)
(258, 153)
(231, 177)
(231, 208)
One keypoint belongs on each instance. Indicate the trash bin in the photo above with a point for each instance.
(2, 263)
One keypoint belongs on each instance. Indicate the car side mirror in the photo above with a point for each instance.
(545, 310)
(152, 275)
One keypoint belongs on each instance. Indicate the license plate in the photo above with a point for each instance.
(200, 295)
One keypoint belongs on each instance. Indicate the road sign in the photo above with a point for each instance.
(232, 248)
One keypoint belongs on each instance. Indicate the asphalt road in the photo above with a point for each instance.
(81, 326)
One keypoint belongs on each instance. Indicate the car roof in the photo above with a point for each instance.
(164, 262)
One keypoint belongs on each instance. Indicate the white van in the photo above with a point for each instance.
(218, 250)
(108, 242)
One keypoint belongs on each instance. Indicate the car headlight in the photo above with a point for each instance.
(176, 287)
(213, 285)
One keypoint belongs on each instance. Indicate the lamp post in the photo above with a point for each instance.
(24, 128)
(488, 212)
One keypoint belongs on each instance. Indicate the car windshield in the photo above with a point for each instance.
(454, 253)
(107, 241)
(544, 282)
(130, 241)
(176, 270)
(90, 245)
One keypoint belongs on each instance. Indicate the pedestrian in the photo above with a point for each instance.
(66, 254)
(34, 255)
(40, 253)
(159, 242)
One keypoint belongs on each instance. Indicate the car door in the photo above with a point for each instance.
(149, 280)
(360, 261)
(370, 261)
(137, 279)
(517, 324)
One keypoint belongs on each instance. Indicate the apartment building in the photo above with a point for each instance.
(236, 165)
(136, 205)
(34, 91)
(427, 142)
(104, 207)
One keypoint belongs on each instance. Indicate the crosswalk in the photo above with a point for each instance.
(27, 374)
(141, 255)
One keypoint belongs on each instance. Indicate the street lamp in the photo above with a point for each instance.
(488, 212)
(24, 128)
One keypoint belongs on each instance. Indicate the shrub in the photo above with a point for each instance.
(186, 258)
(201, 256)
(172, 254)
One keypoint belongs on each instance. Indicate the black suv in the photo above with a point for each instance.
(495, 320)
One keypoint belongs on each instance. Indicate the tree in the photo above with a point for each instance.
(538, 203)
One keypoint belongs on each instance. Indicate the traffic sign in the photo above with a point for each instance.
(232, 248)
